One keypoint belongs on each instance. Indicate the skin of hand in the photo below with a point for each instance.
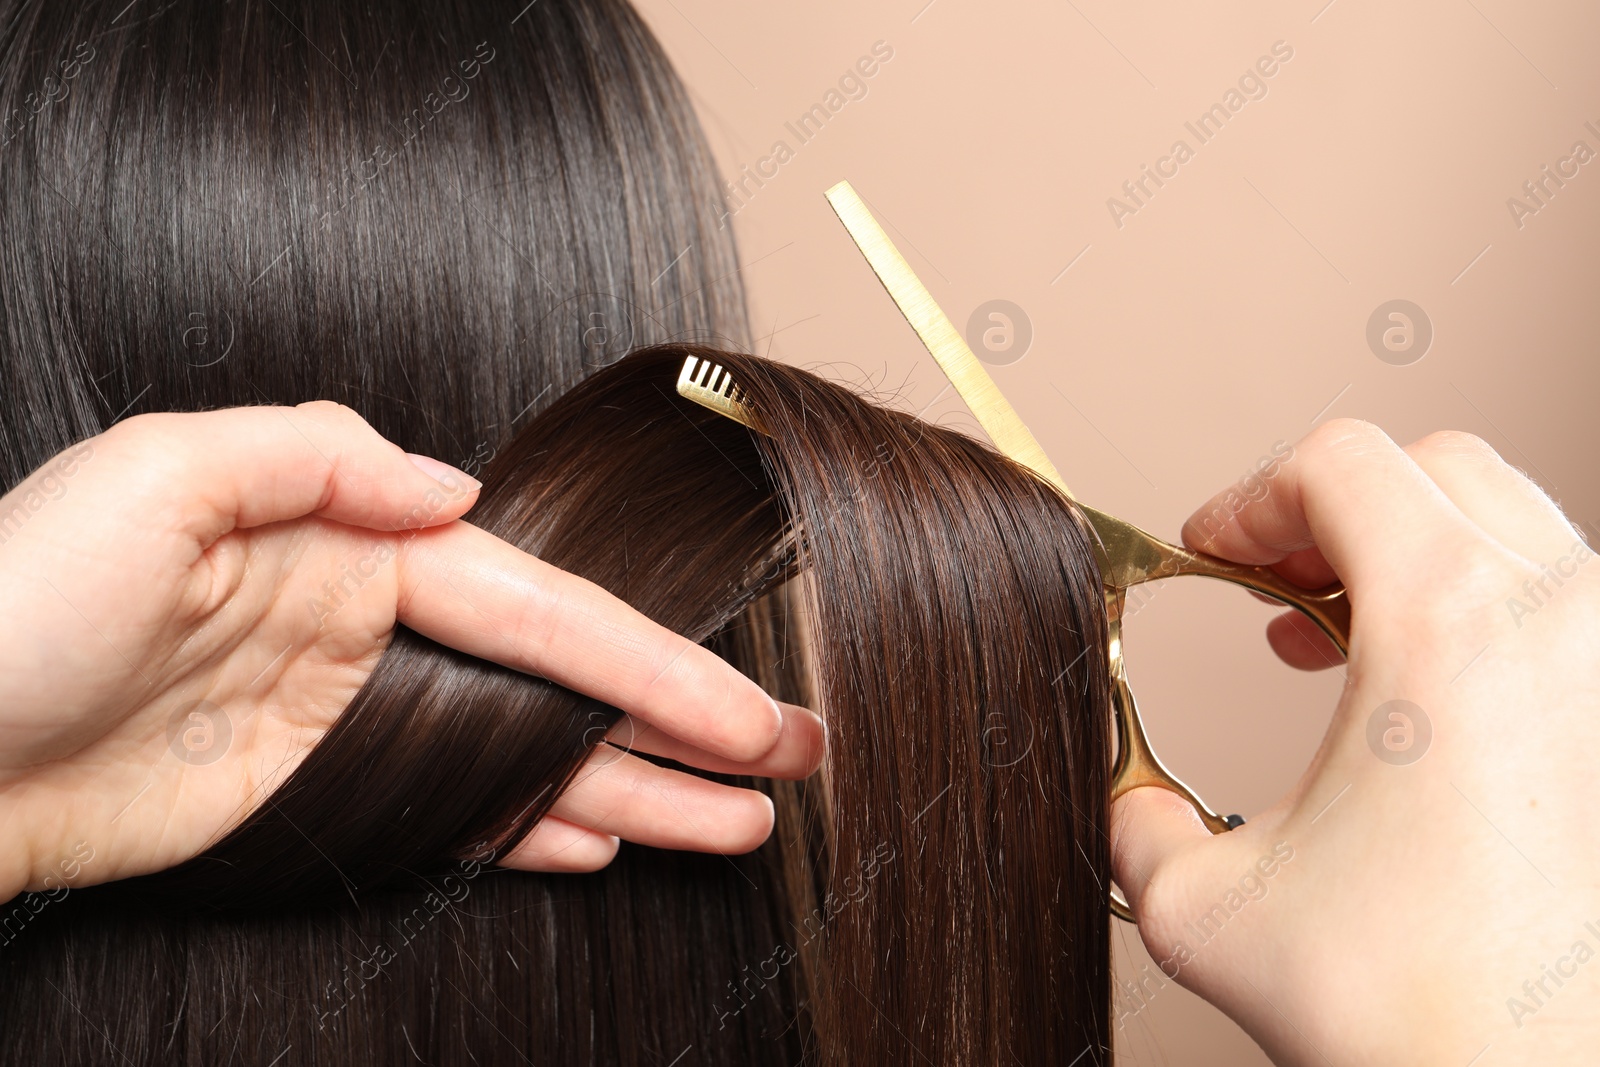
(1429, 892)
(170, 647)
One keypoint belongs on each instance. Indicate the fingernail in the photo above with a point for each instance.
(779, 718)
(452, 478)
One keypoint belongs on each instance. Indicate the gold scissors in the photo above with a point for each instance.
(1127, 556)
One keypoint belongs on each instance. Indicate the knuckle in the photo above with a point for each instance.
(541, 615)
(151, 454)
(652, 790)
(1455, 443)
(332, 411)
(1346, 436)
(1467, 453)
(346, 423)
(668, 664)
(143, 436)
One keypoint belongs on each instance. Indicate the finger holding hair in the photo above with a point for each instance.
(468, 589)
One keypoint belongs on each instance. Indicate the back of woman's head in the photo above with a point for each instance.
(442, 213)
(452, 217)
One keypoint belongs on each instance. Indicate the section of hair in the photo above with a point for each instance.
(944, 904)
(960, 651)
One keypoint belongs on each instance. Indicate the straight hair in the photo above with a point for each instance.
(935, 894)
(456, 218)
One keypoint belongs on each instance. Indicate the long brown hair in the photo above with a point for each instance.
(936, 894)
(443, 213)
(204, 220)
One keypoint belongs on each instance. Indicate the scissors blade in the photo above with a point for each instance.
(939, 335)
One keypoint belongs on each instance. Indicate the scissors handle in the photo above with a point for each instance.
(1128, 556)
(1136, 763)
(1328, 607)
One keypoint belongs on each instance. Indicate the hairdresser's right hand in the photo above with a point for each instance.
(188, 601)
(1429, 892)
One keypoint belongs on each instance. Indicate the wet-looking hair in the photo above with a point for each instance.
(456, 218)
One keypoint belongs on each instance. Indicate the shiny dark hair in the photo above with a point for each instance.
(443, 214)
(935, 894)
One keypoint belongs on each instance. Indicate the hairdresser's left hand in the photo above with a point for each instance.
(188, 602)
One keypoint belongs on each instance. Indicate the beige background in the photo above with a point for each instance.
(1227, 313)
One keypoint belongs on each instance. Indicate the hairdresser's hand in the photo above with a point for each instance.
(187, 602)
(1430, 891)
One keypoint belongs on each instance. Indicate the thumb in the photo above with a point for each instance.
(245, 467)
(1150, 828)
